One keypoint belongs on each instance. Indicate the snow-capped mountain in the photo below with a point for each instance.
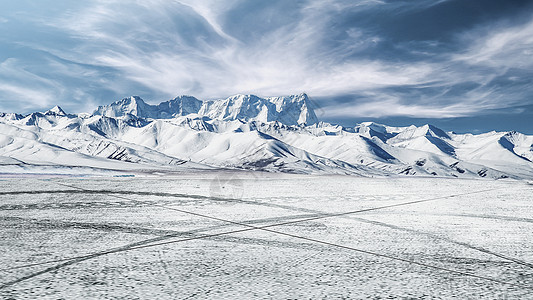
(291, 110)
(135, 106)
(277, 134)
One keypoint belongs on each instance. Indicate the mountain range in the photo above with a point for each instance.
(276, 134)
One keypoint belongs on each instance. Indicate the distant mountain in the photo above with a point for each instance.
(55, 111)
(291, 110)
(276, 134)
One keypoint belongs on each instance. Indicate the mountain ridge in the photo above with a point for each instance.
(291, 110)
(274, 134)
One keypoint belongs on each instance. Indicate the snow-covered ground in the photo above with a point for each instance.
(228, 235)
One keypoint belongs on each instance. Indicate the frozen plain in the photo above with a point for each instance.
(135, 238)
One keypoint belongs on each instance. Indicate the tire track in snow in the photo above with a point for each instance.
(126, 203)
(135, 203)
(482, 216)
(266, 228)
(437, 237)
(137, 245)
(167, 234)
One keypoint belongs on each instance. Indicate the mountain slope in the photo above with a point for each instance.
(276, 134)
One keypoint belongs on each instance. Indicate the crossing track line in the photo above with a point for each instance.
(267, 229)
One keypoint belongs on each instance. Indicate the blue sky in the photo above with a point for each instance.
(464, 65)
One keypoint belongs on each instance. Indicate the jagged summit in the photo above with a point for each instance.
(179, 106)
(289, 110)
(133, 105)
(56, 111)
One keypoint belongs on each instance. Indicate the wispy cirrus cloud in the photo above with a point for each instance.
(378, 56)
(496, 46)
(209, 62)
(23, 89)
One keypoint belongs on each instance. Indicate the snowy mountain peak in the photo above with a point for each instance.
(371, 129)
(11, 116)
(518, 144)
(428, 131)
(240, 107)
(295, 109)
(289, 110)
(133, 105)
(55, 111)
(435, 131)
(179, 106)
(133, 102)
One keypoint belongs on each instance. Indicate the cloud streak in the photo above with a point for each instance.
(22, 88)
(209, 49)
(287, 59)
(500, 46)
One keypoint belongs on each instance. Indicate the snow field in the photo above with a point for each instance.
(474, 227)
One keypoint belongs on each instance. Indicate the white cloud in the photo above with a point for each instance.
(210, 11)
(507, 46)
(186, 47)
(391, 106)
(24, 96)
(23, 89)
(288, 59)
